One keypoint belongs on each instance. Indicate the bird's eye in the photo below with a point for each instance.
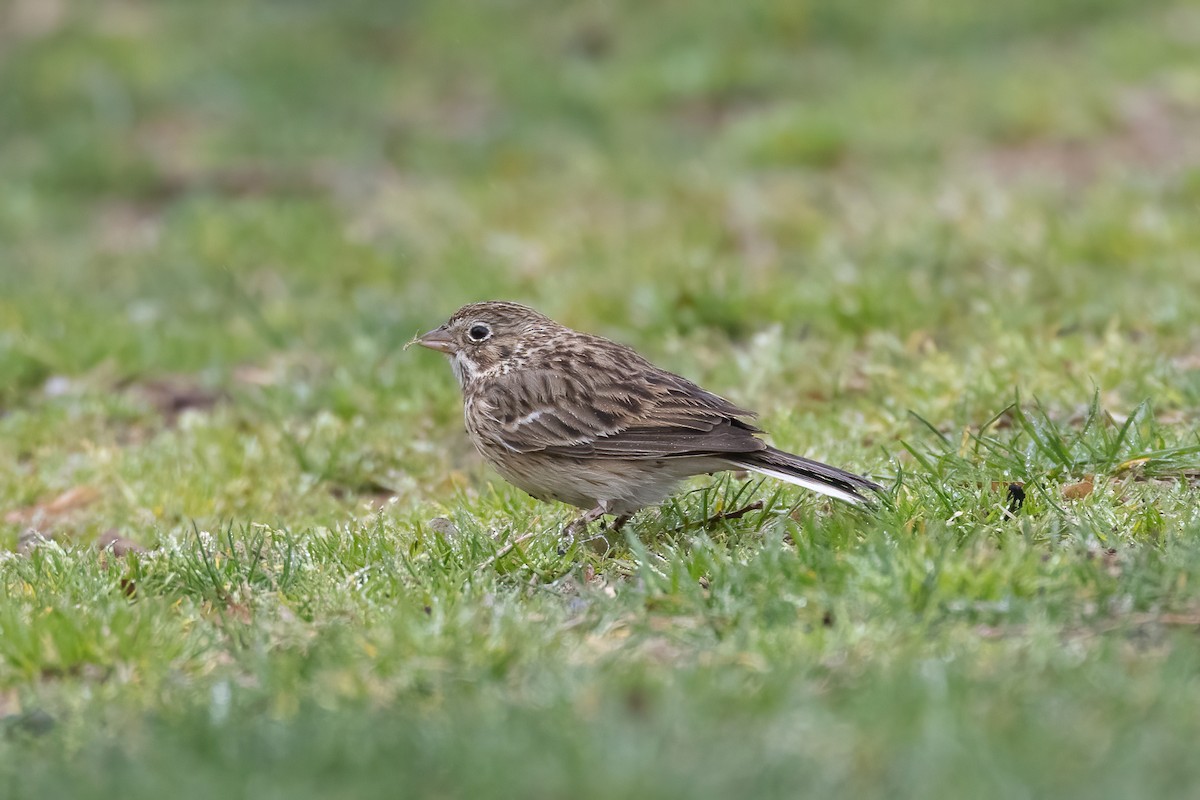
(479, 332)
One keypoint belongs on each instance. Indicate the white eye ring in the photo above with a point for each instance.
(479, 332)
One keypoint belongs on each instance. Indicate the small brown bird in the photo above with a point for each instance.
(577, 418)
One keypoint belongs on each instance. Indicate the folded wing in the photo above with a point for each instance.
(644, 414)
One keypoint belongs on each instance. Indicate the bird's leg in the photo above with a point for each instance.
(616, 524)
(569, 533)
(602, 542)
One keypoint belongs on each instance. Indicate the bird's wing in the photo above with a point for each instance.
(643, 413)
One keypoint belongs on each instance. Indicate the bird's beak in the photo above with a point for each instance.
(437, 339)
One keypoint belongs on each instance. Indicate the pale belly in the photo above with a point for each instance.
(620, 487)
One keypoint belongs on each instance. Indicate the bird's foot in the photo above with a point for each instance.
(571, 533)
(602, 542)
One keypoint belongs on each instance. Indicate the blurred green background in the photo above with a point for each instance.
(355, 168)
(879, 223)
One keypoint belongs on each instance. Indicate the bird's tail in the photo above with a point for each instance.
(810, 474)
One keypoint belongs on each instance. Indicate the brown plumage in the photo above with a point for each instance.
(580, 419)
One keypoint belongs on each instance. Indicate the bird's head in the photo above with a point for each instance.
(482, 338)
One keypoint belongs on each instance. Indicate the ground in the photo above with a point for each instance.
(250, 552)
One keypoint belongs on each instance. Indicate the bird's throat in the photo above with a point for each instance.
(464, 368)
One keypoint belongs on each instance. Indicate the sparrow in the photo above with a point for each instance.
(571, 417)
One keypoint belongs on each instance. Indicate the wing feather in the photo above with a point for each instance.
(640, 414)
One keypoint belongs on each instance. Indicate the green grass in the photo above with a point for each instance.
(950, 245)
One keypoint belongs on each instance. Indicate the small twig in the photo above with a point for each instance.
(741, 512)
(715, 518)
(503, 551)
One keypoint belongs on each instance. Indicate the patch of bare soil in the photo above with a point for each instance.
(52, 508)
(1153, 134)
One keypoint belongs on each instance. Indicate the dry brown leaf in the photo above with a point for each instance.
(72, 499)
(252, 375)
(1078, 491)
